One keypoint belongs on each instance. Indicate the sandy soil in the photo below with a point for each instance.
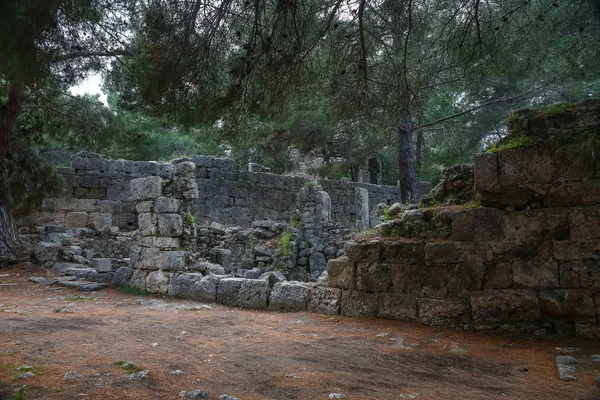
(258, 355)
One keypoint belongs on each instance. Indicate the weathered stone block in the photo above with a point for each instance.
(66, 204)
(223, 257)
(158, 282)
(363, 252)
(533, 225)
(170, 225)
(46, 251)
(498, 275)
(146, 188)
(111, 206)
(453, 252)
(342, 273)
(446, 312)
(76, 220)
(430, 281)
(182, 285)
(478, 224)
(167, 205)
(288, 296)
(172, 260)
(403, 252)
(89, 181)
(464, 278)
(356, 303)
(568, 305)
(254, 294)
(566, 250)
(166, 243)
(100, 222)
(535, 274)
(505, 306)
(398, 306)
(88, 205)
(206, 289)
(325, 300)
(318, 264)
(228, 291)
(579, 274)
(584, 223)
(122, 276)
(102, 264)
(126, 222)
(486, 173)
(591, 331)
(373, 277)
(147, 224)
(63, 267)
(138, 279)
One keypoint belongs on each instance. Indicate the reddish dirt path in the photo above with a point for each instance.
(247, 354)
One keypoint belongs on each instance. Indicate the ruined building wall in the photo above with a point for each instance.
(98, 193)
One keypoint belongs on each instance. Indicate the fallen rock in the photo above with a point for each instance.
(84, 286)
(194, 394)
(564, 371)
(177, 372)
(566, 360)
(26, 375)
(37, 279)
(227, 397)
(138, 376)
(337, 396)
(72, 374)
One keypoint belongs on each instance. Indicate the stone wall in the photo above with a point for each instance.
(98, 190)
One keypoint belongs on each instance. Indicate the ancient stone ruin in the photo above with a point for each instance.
(510, 242)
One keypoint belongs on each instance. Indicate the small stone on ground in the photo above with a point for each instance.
(194, 394)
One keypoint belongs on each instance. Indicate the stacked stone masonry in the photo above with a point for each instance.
(98, 194)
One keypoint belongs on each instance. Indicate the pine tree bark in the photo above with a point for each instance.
(406, 161)
(9, 112)
(419, 149)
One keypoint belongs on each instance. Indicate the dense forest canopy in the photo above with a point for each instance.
(420, 84)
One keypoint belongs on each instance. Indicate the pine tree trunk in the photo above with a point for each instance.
(9, 112)
(406, 161)
(419, 150)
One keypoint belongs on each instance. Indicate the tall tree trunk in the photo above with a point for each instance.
(419, 149)
(8, 115)
(406, 161)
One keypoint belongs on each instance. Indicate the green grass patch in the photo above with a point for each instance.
(309, 184)
(557, 109)
(285, 244)
(128, 289)
(129, 367)
(188, 218)
(20, 394)
(474, 203)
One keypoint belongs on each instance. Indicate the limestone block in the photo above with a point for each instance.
(464, 278)
(486, 173)
(584, 223)
(166, 243)
(144, 168)
(342, 273)
(566, 250)
(88, 205)
(182, 285)
(403, 252)
(100, 222)
(317, 263)
(167, 205)
(46, 251)
(547, 223)
(397, 306)
(430, 281)
(66, 204)
(498, 275)
(80, 272)
(206, 289)
(122, 276)
(81, 193)
(356, 303)
(364, 252)
(145, 206)
(171, 260)
(203, 161)
(102, 277)
(571, 305)
(453, 252)
(272, 277)
(158, 282)
(97, 193)
(228, 291)
(147, 224)
(76, 220)
(111, 206)
(373, 277)
(65, 170)
(535, 274)
(63, 267)
(89, 181)
(146, 188)
(505, 306)
(254, 294)
(446, 312)
(138, 279)
(102, 264)
(477, 224)
(325, 300)
(288, 296)
(579, 274)
(170, 225)
(223, 257)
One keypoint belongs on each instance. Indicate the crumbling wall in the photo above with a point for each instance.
(98, 193)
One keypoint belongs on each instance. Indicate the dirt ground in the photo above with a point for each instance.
(255, 355)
